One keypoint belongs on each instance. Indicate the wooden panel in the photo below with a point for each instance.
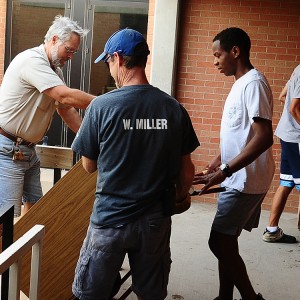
(65, 211)
(55, 157)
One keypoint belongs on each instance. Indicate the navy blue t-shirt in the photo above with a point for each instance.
(138, 135)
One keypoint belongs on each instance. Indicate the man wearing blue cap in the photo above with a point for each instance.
(140, 140)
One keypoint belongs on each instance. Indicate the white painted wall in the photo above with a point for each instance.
(165, 29)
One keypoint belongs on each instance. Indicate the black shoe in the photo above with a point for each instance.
(259, 297)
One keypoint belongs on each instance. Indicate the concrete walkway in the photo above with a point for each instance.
(274, 269)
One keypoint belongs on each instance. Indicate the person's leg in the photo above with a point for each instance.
(232, 269)
(27, 206)
(236, 211)
(289, 172)
(12, 177)
(99, 262)
(278, 204)
(150, 258)
(226, 284)
(32, 190)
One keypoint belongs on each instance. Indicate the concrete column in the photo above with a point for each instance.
(164, 49)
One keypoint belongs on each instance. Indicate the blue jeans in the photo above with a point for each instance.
(147, 243)
(19, 179)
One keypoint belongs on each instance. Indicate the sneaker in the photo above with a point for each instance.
(278, 237)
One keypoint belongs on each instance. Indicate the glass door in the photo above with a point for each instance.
(29, 20)
(27, 23)
(108, 17)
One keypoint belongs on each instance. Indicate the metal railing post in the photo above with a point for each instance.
(7, 222)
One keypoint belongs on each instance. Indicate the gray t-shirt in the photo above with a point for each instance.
(138, 135)
(24, 110)
(288, 129)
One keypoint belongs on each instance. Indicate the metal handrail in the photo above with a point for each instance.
(12, 257)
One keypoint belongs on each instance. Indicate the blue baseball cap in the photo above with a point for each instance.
(124, 42)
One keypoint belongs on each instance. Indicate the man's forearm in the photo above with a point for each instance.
(71, 117)
(70, 97)
(185, 178)
(78, 99)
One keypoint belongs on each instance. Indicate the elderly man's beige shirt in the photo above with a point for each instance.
(24, 110)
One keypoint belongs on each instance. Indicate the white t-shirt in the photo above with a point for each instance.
(24, 110)
(250, 97)
(288, 129)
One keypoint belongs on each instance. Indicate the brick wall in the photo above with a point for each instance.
(274, 28)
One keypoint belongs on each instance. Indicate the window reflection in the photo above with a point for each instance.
(30, 22)
(109, 17)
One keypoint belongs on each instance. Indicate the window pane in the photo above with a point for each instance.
(30, 22)
(109, 17)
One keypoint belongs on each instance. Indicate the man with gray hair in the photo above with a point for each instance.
(32, 90)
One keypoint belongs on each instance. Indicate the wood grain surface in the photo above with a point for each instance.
(65, 211)
(55, 157)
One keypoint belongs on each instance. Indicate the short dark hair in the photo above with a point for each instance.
(139, 59)
(234, 36)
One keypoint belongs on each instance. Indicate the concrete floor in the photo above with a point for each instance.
(274, 269)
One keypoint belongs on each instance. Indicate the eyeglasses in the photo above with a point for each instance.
(69, 50)
(107, 58)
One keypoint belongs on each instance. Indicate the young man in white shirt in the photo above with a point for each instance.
(245, 166)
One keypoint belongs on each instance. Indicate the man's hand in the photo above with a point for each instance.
(209, 180)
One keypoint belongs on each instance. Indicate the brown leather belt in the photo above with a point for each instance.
(15, 139)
